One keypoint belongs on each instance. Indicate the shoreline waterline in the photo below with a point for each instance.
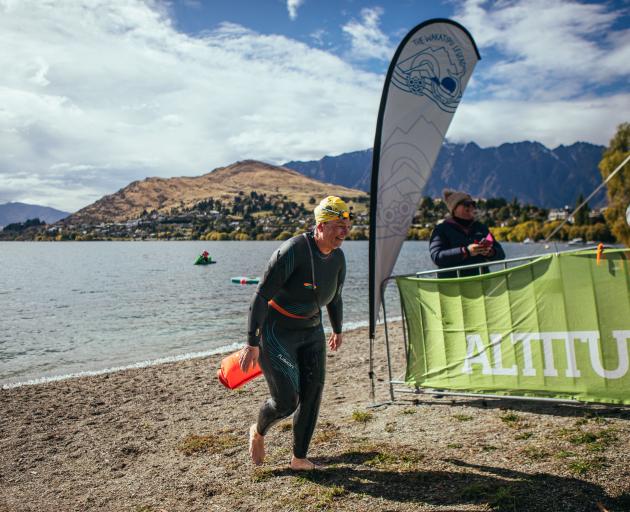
(351, 326)
(132, 366)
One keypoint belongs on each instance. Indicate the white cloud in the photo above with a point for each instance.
(491, 122)
(367, 39)
(292, 7)
(96, 94)
(318, 37)
(550, 72)
(548, 49)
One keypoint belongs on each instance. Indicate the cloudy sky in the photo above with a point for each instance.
(97, 93)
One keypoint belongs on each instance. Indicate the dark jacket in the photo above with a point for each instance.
(448, 247)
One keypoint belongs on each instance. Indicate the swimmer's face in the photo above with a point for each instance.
(334, 232)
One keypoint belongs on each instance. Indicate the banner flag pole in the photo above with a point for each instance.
(423, 87)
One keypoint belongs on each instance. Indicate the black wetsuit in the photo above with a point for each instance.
(285, 320)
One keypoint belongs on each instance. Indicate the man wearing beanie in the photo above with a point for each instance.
(461, 240)
(285, 332)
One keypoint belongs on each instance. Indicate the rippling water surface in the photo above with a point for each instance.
(87, 306)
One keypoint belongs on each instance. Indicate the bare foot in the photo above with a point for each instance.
(302, 464)
(256, 446)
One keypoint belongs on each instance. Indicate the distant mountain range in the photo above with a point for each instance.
(20, 212)
(528, 171)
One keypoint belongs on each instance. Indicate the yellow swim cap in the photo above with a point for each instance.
(331, 208)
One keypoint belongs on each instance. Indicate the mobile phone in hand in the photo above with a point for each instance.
(487, 241)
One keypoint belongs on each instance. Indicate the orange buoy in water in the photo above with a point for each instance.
(231, 375)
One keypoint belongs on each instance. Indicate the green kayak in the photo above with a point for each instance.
(204, 260)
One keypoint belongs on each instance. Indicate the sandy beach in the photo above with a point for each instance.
(171, 438)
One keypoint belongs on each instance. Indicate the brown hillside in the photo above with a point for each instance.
(224, 183)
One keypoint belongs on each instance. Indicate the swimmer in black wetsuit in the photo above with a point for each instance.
(285, 330)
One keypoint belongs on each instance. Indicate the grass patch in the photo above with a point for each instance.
(286, 426)
(535, 453)
(475, 491)
(313, 496)
(511, 419)
(301, 480)
(335, 491)
(498, 498)
(523, 436)
(362, 416)
(326, 435)
(565, 432)
(390, 427)
(455, 445)
(398, 457)
(462, 417)
(593, 441)
(488, 448)
(211, 443)
(382, 459)
(409, 410)
(583, 438)
(502, 498)
(581, 466)
(322, 498)
(261, 474)
(591, 417)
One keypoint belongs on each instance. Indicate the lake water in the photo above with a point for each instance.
(73, 307)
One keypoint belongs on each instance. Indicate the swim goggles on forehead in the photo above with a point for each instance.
(341, 215)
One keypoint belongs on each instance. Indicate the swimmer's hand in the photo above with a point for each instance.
(248, 358)
(334, 342)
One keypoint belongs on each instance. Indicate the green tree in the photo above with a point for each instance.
(581, 216)
(599, 232)
(503, 213)
(528, 229)
(495, 202)
(427, 203)
(283, 235)
(619, 185)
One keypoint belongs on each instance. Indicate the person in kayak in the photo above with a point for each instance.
(285, 332)
(461, 240)
(205, 255)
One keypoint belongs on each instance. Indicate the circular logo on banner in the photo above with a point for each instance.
(436, 71)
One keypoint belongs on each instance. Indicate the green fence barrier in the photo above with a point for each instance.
(558, 327)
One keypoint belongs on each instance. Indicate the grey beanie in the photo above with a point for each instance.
(453, 197)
